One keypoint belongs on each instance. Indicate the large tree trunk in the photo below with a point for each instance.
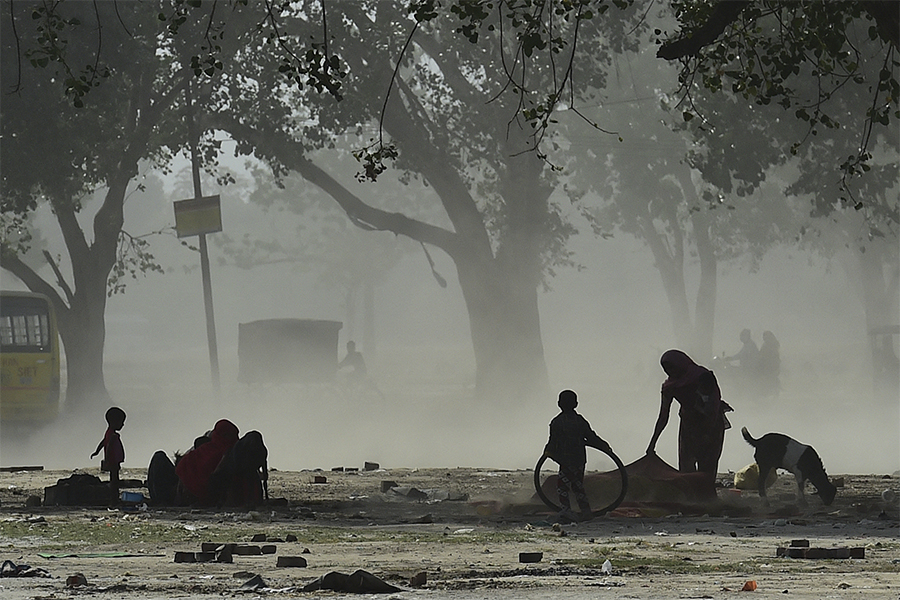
(668, 257)
(506, 332)
(82, 323)
(876, 273)
(500, 288)
(705, 308)
(693, 334)
(83, 332)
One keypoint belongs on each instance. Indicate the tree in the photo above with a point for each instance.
(767, 50)
(455, 128)
(800, 56)
(121, 114)
(651, 189)
(445, 109)
(807, 171)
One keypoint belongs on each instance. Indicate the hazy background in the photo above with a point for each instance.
(604, 330)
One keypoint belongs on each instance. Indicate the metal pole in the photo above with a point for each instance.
(210, 317)
(204, 254)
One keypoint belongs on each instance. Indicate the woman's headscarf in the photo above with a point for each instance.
(682, 371)
(196, 466)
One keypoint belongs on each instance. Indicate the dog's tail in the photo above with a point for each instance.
(750, 439)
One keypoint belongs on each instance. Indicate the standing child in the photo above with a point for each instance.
(570, 433)
(113, 450)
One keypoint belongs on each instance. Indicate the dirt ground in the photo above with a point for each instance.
(463, 528)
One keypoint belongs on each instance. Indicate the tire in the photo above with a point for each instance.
(598, 512)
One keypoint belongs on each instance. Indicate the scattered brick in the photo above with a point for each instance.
(290, 561)
(818, 553)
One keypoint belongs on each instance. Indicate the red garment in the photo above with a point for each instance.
(701, 433)
(113, 450)
(196, 466)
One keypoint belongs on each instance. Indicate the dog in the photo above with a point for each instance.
(778, 451)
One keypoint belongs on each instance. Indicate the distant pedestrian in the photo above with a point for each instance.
(358, 379)
(570, 434)
(113, 450)
(747, 359)
(354, 361)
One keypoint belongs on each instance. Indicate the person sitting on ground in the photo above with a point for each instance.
(241, 478)
(195, 467)
(162, 480)
(570, 434)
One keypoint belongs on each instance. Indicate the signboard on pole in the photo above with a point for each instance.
(197, 216)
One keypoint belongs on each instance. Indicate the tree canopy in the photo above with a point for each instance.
(463, 95)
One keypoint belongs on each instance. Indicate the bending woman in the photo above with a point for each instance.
(701, 410)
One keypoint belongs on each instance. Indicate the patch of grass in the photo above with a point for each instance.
(57, 534)
(97, 533)
(627, 562)
(338, 535)
(646, 557)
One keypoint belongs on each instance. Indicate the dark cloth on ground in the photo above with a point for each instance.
(358, 582)
(655, 488)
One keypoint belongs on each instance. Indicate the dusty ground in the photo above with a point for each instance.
(466, 536)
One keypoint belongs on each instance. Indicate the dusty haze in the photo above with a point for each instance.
(604, 329)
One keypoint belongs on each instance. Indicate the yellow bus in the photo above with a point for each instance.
(29, 357)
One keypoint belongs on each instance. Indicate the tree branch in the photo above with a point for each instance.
(723, 15)
(363, 215)
(368, 217)
(60, 280)
(13, 263)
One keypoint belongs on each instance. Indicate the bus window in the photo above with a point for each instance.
(21, 332)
